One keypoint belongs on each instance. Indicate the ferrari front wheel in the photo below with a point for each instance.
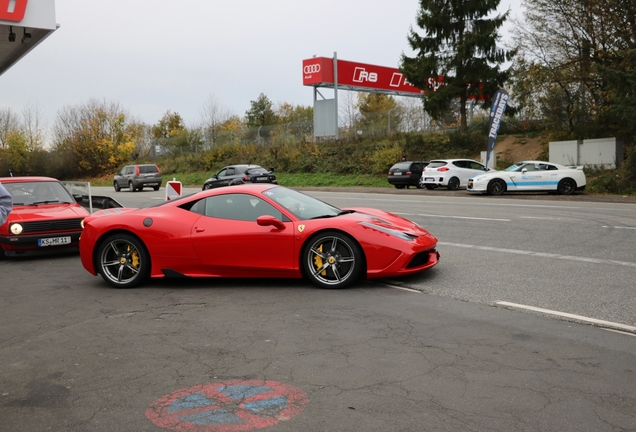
(123, 261)
(332, 260)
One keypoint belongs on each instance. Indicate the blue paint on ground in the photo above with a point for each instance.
(267, 406)
(194, 400)
(242, 392)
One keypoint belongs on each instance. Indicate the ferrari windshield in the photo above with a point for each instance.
(301, 205)
(38, 192)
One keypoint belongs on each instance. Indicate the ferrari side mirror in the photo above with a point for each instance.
(267, 220)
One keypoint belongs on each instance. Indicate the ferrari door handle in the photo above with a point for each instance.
(199, 229)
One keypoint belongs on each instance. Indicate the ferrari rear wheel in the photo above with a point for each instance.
(332, 260)
(123, 261)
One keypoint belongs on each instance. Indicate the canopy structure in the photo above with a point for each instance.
(24, 24)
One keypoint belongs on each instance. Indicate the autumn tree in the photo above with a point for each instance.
(459, 44)
(377, 110)
(576, 65)
(94, 139)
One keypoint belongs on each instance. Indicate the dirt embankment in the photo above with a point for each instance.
(513, 148)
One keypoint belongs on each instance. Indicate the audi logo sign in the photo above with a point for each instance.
(12, 10)
(312, 68)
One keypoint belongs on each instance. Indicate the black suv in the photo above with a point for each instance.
(239, 174)
(406, 173)
(136, 177)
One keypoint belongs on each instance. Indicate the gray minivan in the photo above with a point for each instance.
(136, 177)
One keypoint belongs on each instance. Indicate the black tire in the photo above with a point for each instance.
(419, 184)
(332, 260)
(116, 186)
(453, 183)
(131, 188)
(123, 261)
(399, 186)
(496, 187)
(566, 186)
(207, 186)
(156, 188)
(429, 187)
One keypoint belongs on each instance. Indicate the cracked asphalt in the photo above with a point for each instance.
(78, 355)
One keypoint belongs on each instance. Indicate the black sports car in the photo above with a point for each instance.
(240, 174)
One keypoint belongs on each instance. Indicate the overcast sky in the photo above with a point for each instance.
(152, 56)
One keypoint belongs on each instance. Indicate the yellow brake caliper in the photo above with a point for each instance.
(134, 258)
(318, 261)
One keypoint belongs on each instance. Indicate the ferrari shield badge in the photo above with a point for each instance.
(301, 228)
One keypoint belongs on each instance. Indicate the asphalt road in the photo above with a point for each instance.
(432, 352)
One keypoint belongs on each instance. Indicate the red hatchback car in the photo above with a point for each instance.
(45, 216)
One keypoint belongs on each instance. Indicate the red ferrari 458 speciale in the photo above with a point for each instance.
(253, 230)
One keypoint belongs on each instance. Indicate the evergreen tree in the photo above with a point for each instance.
(460, 46)
(261, 112)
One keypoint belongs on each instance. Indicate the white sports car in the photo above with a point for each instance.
(530, 176)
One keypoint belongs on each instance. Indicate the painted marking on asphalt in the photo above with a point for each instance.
(540, 218)
(569, 315)
(541, 254)
(620, 227)
(399, 287)
(463, 217)
(227, 406)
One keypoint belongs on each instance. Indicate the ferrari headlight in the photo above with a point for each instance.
(396, 233)
(15, 229)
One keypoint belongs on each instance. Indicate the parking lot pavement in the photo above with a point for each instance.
(78, 355)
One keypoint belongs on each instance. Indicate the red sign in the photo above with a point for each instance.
(173, 190)
(319, 71)
(15, 15)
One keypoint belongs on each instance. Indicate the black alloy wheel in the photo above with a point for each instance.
(566, 186)
(496, 187)
(453, 184)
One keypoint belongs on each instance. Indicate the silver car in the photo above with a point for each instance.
(136, 177)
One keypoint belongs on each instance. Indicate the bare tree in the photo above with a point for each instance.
(413, 116)
(213, 114)
(9, 122)
(32, 128)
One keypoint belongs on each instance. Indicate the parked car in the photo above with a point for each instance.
(451, 173)
(406, 174)
(253, 230)
(239, 174)
(45, 216)
(136, 177)
(530, 176)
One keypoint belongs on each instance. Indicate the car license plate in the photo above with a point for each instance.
(261, 178)
(54, 241)
(429, 179)
(397, 173)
